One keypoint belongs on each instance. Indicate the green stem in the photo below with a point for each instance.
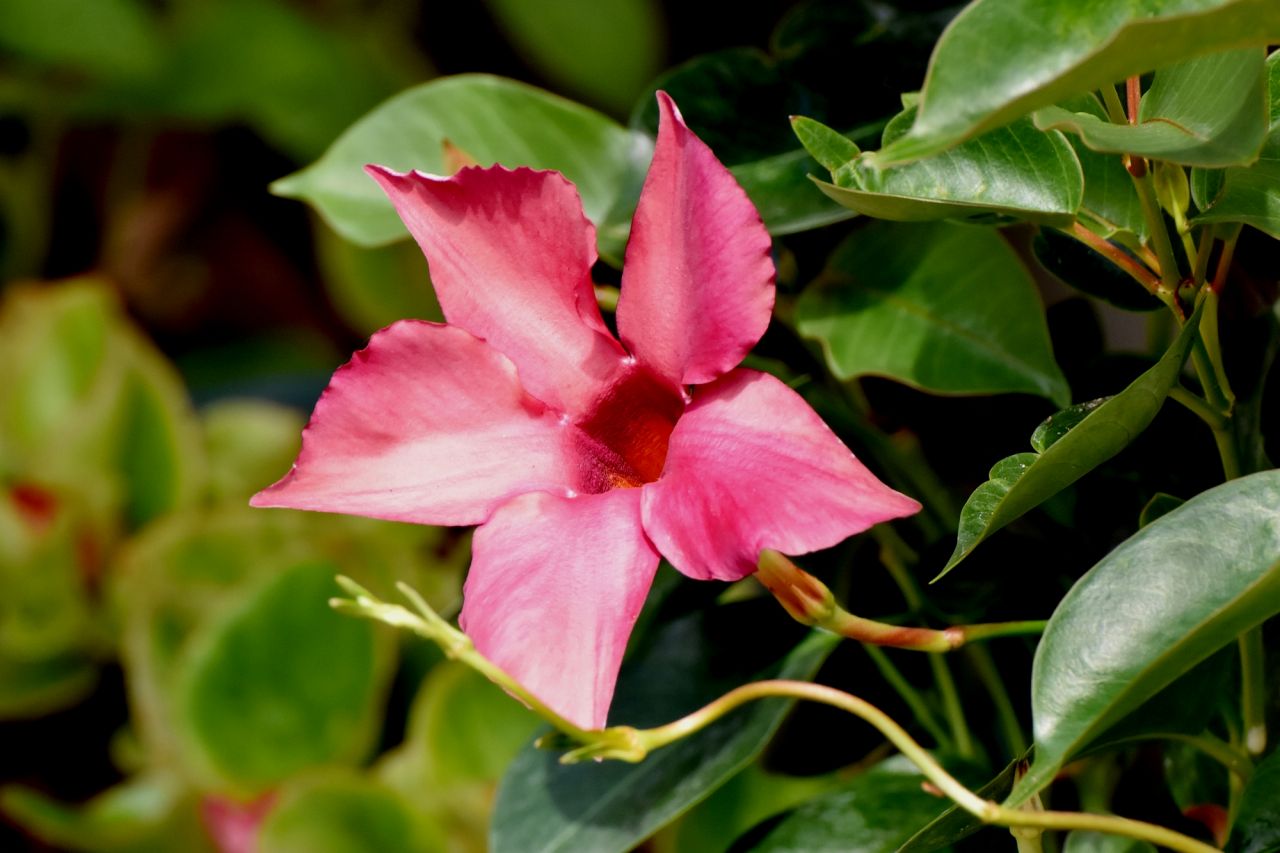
(1115, 107)
(1006, 716)
(1169, 277)
(952, 707)
(1220, 751)
(1253, 697)
(1200, 267)
(985, 810)
(1200, 407)
(915, 702)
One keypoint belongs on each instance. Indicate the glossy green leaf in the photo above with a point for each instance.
(1208, 111)
(1023, 481)
(492, 119)
(146, 814)
(1257, 824)
(340, 813)
(875, 812)
(955, 824)
(942, 307)
(284, 683)
(1014, 171)
(971, 88)
(1080, 841)
(1164, 600)
(1252, 194)
(545, 806)
(374, 287)
(603, 51)
(107, 38)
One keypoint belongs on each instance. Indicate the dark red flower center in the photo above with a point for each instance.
(629, 429)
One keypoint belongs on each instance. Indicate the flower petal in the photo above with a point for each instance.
(510, 253)
(554, 589)
(427, 424)
(697, 285)
(752, 466)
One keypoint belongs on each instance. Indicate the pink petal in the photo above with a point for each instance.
(428, 424)
(697, 285)
(554, 589)
(510, 253)
(751, 466)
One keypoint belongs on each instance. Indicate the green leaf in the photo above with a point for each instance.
(198, 591)
(1160, 504)
(1023, 481)
(248, 443)
(545, 806)
(1129, 627)
(463, 728)
(254, 62)
(282, 684)
(781, 190)
(955, 823)
(1053, 49)
(1012, 171)
(107, 38)
(876, 812)
(344, 813)
(745, 800)
(374, 287)
(1250, 195)
(151, 813)
(34, 688)
(1208, 111)
(942, 307)
(160, 453)
(1257, 824)
(604, 52)
(492, 119)
(1080, 841)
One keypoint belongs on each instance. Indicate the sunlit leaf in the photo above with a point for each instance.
(1250, 194)
(495, 121)
(1207, 111)
(1016, 171)
(1052, 49)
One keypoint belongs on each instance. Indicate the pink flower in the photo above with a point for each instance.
(581, 458)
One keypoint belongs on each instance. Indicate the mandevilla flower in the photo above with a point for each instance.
(583, 458)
